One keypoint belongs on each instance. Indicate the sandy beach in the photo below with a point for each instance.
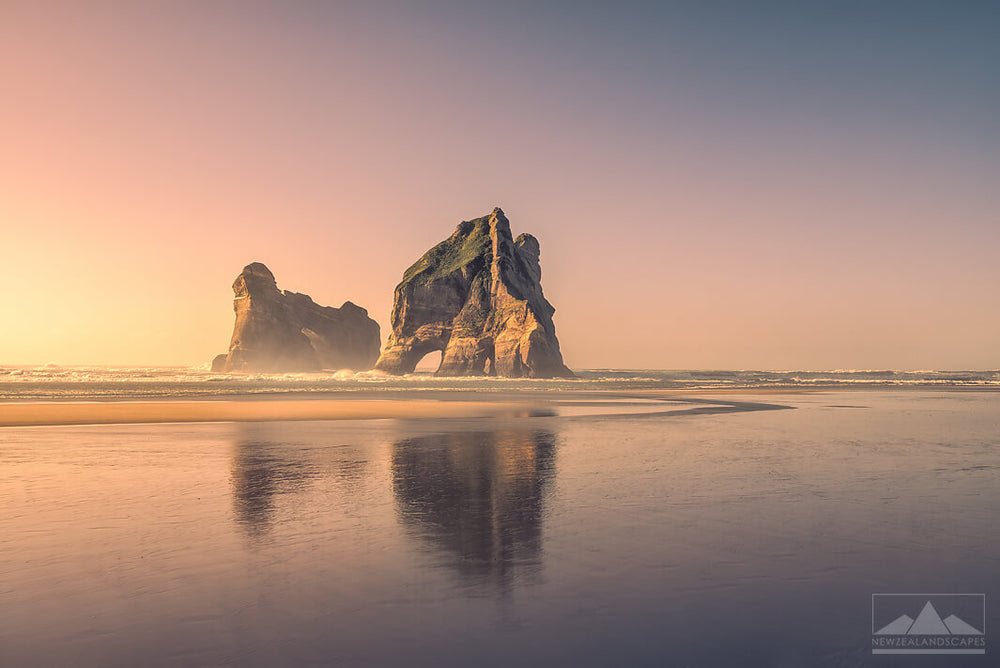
(383, 405)
(246, 530)
(138, 412)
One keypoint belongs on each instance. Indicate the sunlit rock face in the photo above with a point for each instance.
(280, 331)
(477, 296)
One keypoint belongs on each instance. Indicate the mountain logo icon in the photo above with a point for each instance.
(912, 624)
(928, 623)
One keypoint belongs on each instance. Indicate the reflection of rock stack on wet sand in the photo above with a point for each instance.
(478, 498)
(274, 466)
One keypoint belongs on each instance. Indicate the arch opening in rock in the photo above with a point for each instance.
(429, 363)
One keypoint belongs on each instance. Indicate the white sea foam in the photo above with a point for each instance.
(50, 382)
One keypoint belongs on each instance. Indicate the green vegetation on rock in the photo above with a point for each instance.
(470, 242)
(477, 297)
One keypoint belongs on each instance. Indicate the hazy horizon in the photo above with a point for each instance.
(713, 185)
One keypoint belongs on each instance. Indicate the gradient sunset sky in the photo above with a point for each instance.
(808, 185)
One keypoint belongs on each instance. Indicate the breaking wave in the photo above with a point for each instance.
(52, 382)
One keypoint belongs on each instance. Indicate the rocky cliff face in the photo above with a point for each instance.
(477, 297)
(286, 331)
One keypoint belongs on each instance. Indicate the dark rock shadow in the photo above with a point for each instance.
(270, 463)
(478, 499)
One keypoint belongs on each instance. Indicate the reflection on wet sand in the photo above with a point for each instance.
(266, 466)
(477, 497)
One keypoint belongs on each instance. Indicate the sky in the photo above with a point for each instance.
(729, 185)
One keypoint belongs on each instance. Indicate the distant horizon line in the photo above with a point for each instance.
(202, 367)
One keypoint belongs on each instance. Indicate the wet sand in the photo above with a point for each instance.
(363, 406)
(138, 412)
(708, 530)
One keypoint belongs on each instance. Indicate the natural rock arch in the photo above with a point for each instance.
(476, 296)
(430, 362)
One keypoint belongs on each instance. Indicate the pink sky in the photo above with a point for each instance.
(705, 195)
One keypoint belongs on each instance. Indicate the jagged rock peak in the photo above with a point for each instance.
(279, 331)
(477, 297)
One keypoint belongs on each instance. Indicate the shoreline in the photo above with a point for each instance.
(54, 414)
(395, 404)
(356, 406)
